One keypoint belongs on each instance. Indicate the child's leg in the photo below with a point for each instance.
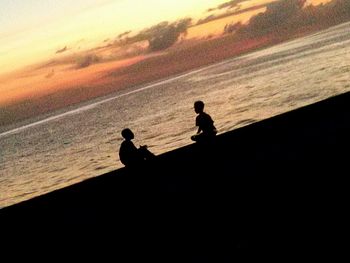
(146, 154)
(197, 137)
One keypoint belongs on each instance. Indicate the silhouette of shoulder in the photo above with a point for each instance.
(205, 122)
(128, 153)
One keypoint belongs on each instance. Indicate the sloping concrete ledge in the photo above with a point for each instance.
(277, 183)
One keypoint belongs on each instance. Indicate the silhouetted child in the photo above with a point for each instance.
(206, 128)
(129, 155)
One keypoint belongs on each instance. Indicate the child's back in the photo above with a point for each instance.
(206, 128)
(205, 123)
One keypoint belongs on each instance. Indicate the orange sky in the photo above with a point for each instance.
(31, 40)
(34, 34)
(41, 81)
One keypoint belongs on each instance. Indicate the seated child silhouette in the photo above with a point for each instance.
(129, 155)
(206, 128)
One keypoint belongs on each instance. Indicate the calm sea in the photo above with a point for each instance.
(68, 147)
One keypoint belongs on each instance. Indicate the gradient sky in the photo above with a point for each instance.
(32, 30)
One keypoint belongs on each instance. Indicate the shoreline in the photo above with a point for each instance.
(137, 75)
(86, 105)
(123, 91)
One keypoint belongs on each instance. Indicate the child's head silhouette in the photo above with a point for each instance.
(199, 106)
(127, 134)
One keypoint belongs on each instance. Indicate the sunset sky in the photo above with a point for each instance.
(32, 30)
(57, 53)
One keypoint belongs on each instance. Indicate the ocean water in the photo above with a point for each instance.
(68, 147)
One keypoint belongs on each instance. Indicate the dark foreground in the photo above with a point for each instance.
(277, 184)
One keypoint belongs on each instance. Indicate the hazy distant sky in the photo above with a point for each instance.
(31, 30)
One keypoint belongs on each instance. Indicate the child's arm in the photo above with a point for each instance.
(198, 124)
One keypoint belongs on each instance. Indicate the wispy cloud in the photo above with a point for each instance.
(231, 4)
(287, 16)
(231, 13)
(159, 37)
(62, 50)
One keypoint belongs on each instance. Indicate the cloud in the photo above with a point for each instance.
(288, 16)
(277, 16)
(333, 12)
(234, 4)
(231, 4)
(164, 35)
(86, 60)
(159, 37)
(230, 28)
(124, 34)
(62, 50)
(50, 74)
(232, 13)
